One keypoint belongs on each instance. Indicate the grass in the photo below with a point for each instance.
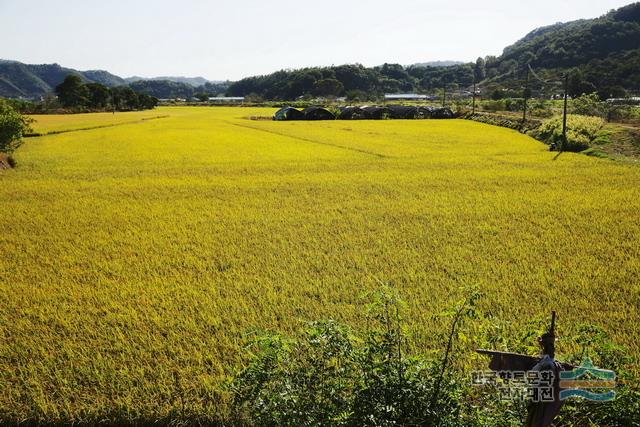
(136, 258)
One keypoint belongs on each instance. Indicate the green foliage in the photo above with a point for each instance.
(623, 113)
(624, 410)
(540, 108)
(387, 78)
(329, 376)
(30, 80)
(168, 89)
(202, 97)
(99, 96)
(601, 55)
(13, 126)
(328, 87)
(356, 95)
(72, 92)
(582, 132)
(577, 85)
(589, 105)
(164, 89)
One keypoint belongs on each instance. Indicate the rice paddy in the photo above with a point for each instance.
(135, 258)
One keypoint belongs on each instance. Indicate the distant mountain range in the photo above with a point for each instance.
(28, 80)
(18, 80)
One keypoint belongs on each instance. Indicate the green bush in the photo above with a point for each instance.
(589, 105)
(582, 132)
(541, 108)
(623, 113)
(330, 376)
(13, 126)
(493, 106)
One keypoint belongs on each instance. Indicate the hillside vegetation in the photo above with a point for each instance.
(28, 80)
(138, 258)
(601, 54)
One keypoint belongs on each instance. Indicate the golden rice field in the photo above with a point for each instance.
(136, 258)
(53, 123)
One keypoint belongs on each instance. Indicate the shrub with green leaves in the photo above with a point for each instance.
(589, 105)
(13, 126)
(330, 376)
(582, 132)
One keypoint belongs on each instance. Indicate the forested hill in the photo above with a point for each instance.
(601, 54)
(28, 80)
(579, 42)
(18, 80)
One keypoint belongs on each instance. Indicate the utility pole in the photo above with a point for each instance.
(473, 111)
(525, 95)
(564, 113)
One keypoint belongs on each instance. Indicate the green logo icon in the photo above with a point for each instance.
(588, 382)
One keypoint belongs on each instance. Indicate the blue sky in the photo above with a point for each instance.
(233, 39)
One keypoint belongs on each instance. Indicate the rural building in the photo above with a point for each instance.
(404, 97)
(288, 113)
(226, 99)
(633, 100)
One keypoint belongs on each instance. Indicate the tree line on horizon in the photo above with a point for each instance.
(599, 55)
(74, 93)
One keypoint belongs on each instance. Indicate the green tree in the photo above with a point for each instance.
(13, 126)
(202, 97)
(125, 99)
(72, 92)
(146, 102)
(589, 105)
(578, 85)
(328, 87)
(356, 95)
(98, 95)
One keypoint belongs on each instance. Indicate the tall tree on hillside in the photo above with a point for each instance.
(72, 92)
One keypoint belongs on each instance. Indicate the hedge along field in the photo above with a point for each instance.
(135, 259)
